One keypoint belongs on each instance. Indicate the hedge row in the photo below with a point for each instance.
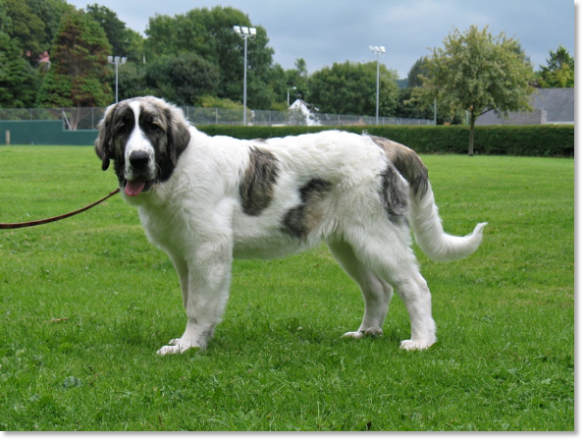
(544, 140)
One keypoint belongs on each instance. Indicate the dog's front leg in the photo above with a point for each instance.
(208, 280)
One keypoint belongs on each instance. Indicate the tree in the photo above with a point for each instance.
(350, 88)
(408, 108)
(131, 80)
(50, 13)
(417, 70)
(18, 80)
(559, 70)
(125, 42)
(209, 34)
(408, 104)
(298, 78)
(478, 72)
(183, 79)
(27, 29)
(80, 66)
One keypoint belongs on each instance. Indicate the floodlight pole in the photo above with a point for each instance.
(116, 61)
(245, 33)
(378, 50)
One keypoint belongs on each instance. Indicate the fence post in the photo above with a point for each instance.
(8, 138)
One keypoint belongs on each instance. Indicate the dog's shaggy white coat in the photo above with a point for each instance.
(207, 200)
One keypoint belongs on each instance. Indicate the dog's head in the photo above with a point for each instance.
(144, 137)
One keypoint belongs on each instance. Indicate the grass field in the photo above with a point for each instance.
(86, 302)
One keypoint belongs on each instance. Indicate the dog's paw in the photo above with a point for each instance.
(373, 331)
(353, 335)
(415, 345)
(169, 350)
(175, 346)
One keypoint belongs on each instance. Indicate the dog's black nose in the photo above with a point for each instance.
(139, 159)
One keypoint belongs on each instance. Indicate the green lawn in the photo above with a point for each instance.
(86, 302)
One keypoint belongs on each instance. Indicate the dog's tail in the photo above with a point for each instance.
(423, 213)
(430, 236)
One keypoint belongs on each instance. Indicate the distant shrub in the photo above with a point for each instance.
(542, 140)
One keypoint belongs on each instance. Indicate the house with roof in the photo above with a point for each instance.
(551, 106)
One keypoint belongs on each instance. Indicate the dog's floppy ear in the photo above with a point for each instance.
(178, 135)
(103, 143)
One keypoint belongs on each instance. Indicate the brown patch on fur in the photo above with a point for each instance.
(408, 164)
(394, 195)
(305, 217)
(257, 186)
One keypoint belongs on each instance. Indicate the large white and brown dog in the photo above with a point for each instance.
(207, 200)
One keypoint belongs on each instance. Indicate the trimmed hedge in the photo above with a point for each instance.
(542, 140)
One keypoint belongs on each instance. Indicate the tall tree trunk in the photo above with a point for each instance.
(471, 134)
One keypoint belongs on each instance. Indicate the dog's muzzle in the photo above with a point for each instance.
(139, 160)
(141, 170)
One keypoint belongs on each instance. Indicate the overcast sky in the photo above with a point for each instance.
(327, 31)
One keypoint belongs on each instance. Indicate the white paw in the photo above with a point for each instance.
(353, 335)
(374, 331)
(415, 345)
(175, 346)
(170, 350)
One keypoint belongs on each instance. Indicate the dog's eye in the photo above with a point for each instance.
(153, 127)
(123, 128)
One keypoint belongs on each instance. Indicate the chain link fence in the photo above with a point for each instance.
(85, 118)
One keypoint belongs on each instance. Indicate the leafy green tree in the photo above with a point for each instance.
(559, 70)
(27, 29)
(18, 80)
(125, 42)
(209, 34)
(350, 88)
(407, 108)
(408, 105)
(182, 79)
(134, 46)
(417, 70)
(80, 66)
(131, 80)
(298, 78)
(50, 13)
(478, 72)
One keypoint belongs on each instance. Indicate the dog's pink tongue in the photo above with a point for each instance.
(134, 188)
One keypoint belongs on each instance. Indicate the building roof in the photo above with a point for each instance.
(555, 105)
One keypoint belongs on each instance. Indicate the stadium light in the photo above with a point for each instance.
(378, 50)
(117, 61)
(245, 32)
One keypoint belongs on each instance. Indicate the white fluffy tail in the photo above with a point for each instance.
(423, 213)
(429, 233)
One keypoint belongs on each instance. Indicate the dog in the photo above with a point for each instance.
(208, 200)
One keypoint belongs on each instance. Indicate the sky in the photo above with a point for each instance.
(324, 32)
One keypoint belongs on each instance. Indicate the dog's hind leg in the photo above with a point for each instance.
(376, 292)
(386, 251)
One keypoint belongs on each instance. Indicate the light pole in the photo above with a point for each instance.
(378, 50)
(116, 61)
(294, 88)
(245, 33)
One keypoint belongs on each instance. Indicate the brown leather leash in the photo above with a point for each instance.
(55, 218)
